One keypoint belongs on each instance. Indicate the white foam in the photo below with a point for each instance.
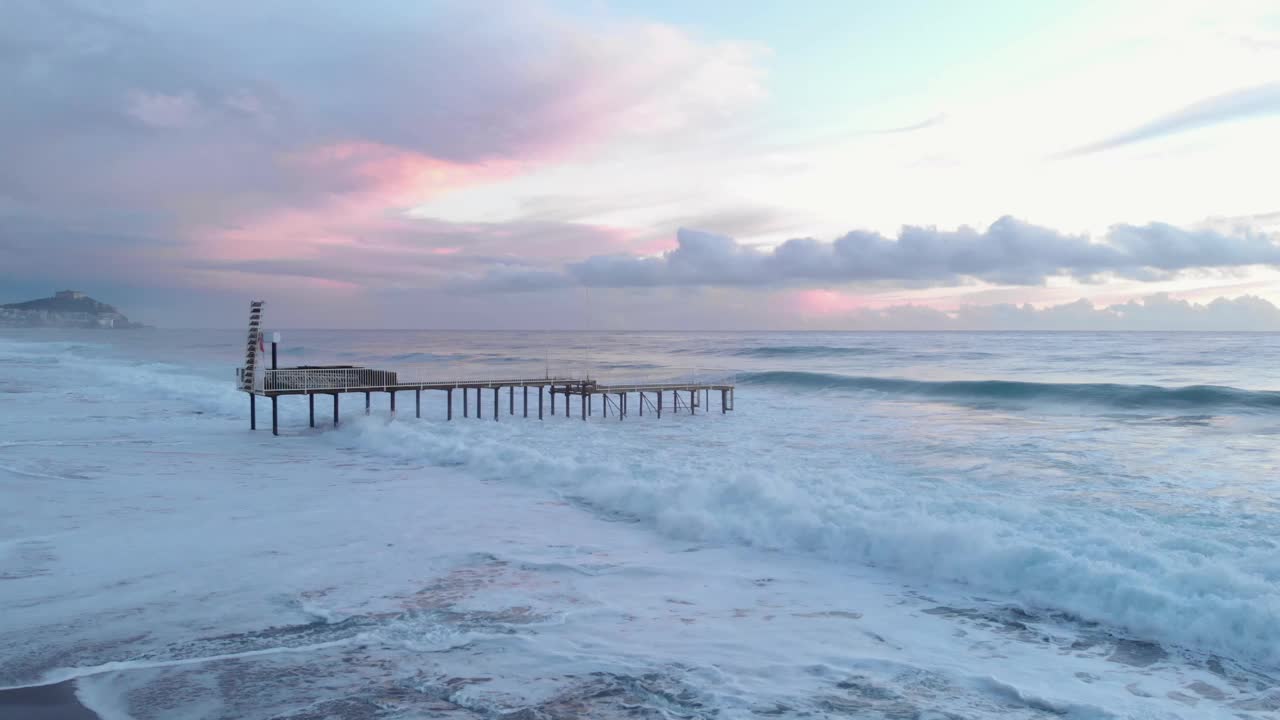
(1124, 570)
(74, 673)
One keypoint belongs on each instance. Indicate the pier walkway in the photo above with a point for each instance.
(687, 393)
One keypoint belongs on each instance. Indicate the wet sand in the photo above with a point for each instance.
(47, 702)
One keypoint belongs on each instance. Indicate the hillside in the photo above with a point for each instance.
(67, 308)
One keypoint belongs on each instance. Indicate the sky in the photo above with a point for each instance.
(617, 164)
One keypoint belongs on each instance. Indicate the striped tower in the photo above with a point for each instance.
(251, 348)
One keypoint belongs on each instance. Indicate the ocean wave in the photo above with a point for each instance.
(1110, 395)
(416, 357)
(784, 351)
(431, 357)
(1122, 569)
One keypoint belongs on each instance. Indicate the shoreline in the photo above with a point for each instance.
(44, 702)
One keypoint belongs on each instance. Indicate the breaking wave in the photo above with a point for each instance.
(784, 351)
(1110, 395)
(1123, 569)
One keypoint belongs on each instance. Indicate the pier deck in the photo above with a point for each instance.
(686, 394)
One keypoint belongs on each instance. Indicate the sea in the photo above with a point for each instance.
(885, 525)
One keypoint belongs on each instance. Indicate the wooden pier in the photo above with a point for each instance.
(671, 396)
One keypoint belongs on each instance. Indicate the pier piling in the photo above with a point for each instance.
(614, 398)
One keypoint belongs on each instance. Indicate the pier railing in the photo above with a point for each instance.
(327, 378)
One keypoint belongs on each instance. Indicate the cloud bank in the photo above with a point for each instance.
(178, 137)
(1159, 312)
(1009, 252)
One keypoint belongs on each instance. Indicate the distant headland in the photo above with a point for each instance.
(66, 309)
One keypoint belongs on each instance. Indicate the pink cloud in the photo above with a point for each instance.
(654, 245)
(825, 302)
(392, 176)
(307, 148)
(361, 190)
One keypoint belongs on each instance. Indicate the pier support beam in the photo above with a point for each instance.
(693, 398)
(311, 407)
(335, 409)
(417, 402)
(659, 404)
(724, 400)
(478, 410)
(622, 406)
(466, 404)
(586, 405)
(511, 400)
(496, 391)
(540, 402)
(448, 394)
(253, 411)
(553, 398)
(366, 403)
(526, 401)
(641, 404)
(393, 403)
(275, 419)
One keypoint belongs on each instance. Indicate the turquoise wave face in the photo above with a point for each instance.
(1107, 395)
